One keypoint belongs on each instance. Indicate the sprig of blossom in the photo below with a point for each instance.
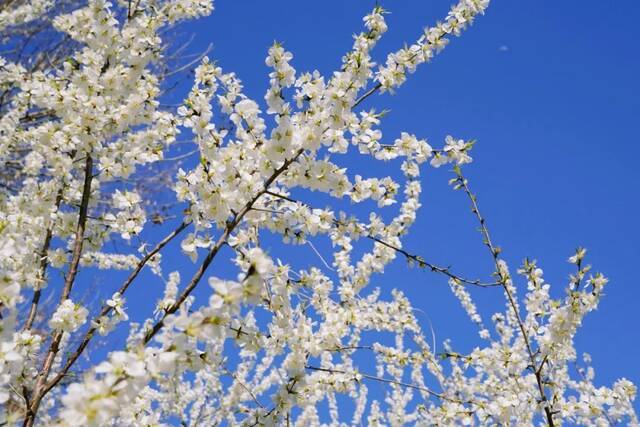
(69, 316)
(271, 345)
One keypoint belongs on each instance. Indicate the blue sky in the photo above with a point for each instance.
(548, 88)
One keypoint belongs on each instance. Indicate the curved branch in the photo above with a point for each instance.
(422, 263)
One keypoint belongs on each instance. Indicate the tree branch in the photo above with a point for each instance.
(388, 381)
(422, 263)
(106, 309)
(231, 225)
(495, 253)
(38, 391)
(44, 263)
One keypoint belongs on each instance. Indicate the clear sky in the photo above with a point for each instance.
(549, 89)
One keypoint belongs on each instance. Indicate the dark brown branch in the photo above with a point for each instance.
(231, 225)
(367, 94)
(38, 392)
(422, 263)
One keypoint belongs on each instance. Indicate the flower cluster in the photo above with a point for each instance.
(266, 343)
(394, 73)
(23, 13)
(69, 316)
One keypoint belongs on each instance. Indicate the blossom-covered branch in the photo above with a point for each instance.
(249, 338)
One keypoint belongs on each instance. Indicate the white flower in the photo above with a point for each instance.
(117, 304)
(68, 316)
(579, 255)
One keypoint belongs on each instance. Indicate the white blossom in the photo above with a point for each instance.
(268, 342)
(69, 316)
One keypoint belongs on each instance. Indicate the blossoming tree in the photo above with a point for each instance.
(274, 346)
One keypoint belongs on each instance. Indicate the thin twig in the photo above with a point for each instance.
(248, 390)
(388, 381)
(44, 263)
(191, 63)
(422, 263)
(106, 309)
(367, 94)
(326, 264)
(495, 253)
